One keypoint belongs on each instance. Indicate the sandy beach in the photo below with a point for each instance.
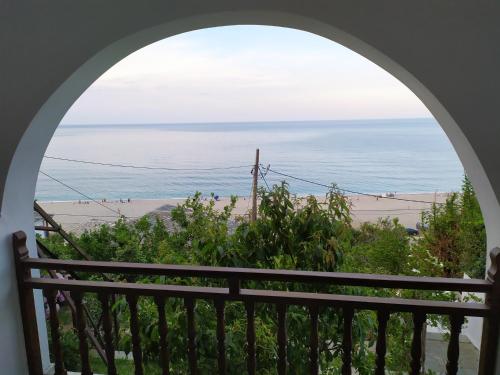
(80, 215)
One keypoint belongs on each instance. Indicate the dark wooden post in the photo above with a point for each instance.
(234, 286)
(456, 322)
(416, 344)
(134, 330)
(221, 337)
(314, 340)
(282, 339)
(107, 324)
(381, 348)
(491, 332)
(81, 329)
(348, 314)
(251, 363)
(191, 333)
(163, 331)
(51, 296)
(116, 323)
(27, 305)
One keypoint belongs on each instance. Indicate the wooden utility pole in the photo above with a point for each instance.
(254, 189)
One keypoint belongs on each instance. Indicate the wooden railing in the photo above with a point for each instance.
(51, 226)
(457, 311)
(95, 338)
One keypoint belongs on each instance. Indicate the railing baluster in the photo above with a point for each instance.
(51, 295)
(221, 336)
(116, 323)
(416, 344)
(251, 362)
(27, 305)
(82, 336)
(313, 340)
(348, 314)
(381, 348)
(134, 330)
(234, 286)
(282, 360)
(191, 328)
(163, 330)
(488, 361)
(108, 333)
(456, 322)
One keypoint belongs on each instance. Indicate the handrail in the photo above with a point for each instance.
(95, 337)
(334, 278)
(264, 296)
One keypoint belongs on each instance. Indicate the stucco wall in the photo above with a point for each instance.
(446, 51)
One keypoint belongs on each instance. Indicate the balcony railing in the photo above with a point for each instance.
(348, 304)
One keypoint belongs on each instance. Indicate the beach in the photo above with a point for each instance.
(366, 156)
(77, 216)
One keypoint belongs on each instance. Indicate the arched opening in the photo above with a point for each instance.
(222, 75)
(296, 77)
(44, 124)
(21, 181)
(99, 105)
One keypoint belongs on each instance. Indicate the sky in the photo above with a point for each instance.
(243, 73)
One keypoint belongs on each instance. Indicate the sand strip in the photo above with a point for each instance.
(78, 216)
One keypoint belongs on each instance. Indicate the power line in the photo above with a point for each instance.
(216, 168)
(249, 197)
(144, 166)
(378, 213)
(387, 210)
(82, 194)
(349, 191)
(86, 215)
(264, 178)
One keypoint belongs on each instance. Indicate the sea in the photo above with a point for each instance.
(155, 161)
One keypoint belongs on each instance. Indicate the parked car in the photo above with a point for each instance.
(412, 232)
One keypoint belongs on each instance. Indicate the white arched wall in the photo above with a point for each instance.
(24, 162)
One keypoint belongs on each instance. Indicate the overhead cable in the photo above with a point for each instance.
(144, 166)
(348, 190)
(82, 194)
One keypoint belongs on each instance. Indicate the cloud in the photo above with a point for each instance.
(209, 76)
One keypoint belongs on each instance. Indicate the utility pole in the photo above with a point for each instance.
(254, 189)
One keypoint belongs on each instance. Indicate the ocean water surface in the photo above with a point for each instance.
(371, 156)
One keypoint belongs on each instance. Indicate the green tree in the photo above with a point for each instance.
(289, 233)
(455, 234)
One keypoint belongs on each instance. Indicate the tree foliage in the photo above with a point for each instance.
(289, 233)
(455, 234)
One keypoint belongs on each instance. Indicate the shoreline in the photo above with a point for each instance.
(117, 200)
(77, 217)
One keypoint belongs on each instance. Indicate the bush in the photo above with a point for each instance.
(456, 234)
(289, 233)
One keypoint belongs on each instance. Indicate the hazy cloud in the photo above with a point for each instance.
(244, 73)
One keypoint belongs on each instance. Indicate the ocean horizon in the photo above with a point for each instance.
(367, 156)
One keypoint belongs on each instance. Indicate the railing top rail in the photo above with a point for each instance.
(333, 278)
(265, 296)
